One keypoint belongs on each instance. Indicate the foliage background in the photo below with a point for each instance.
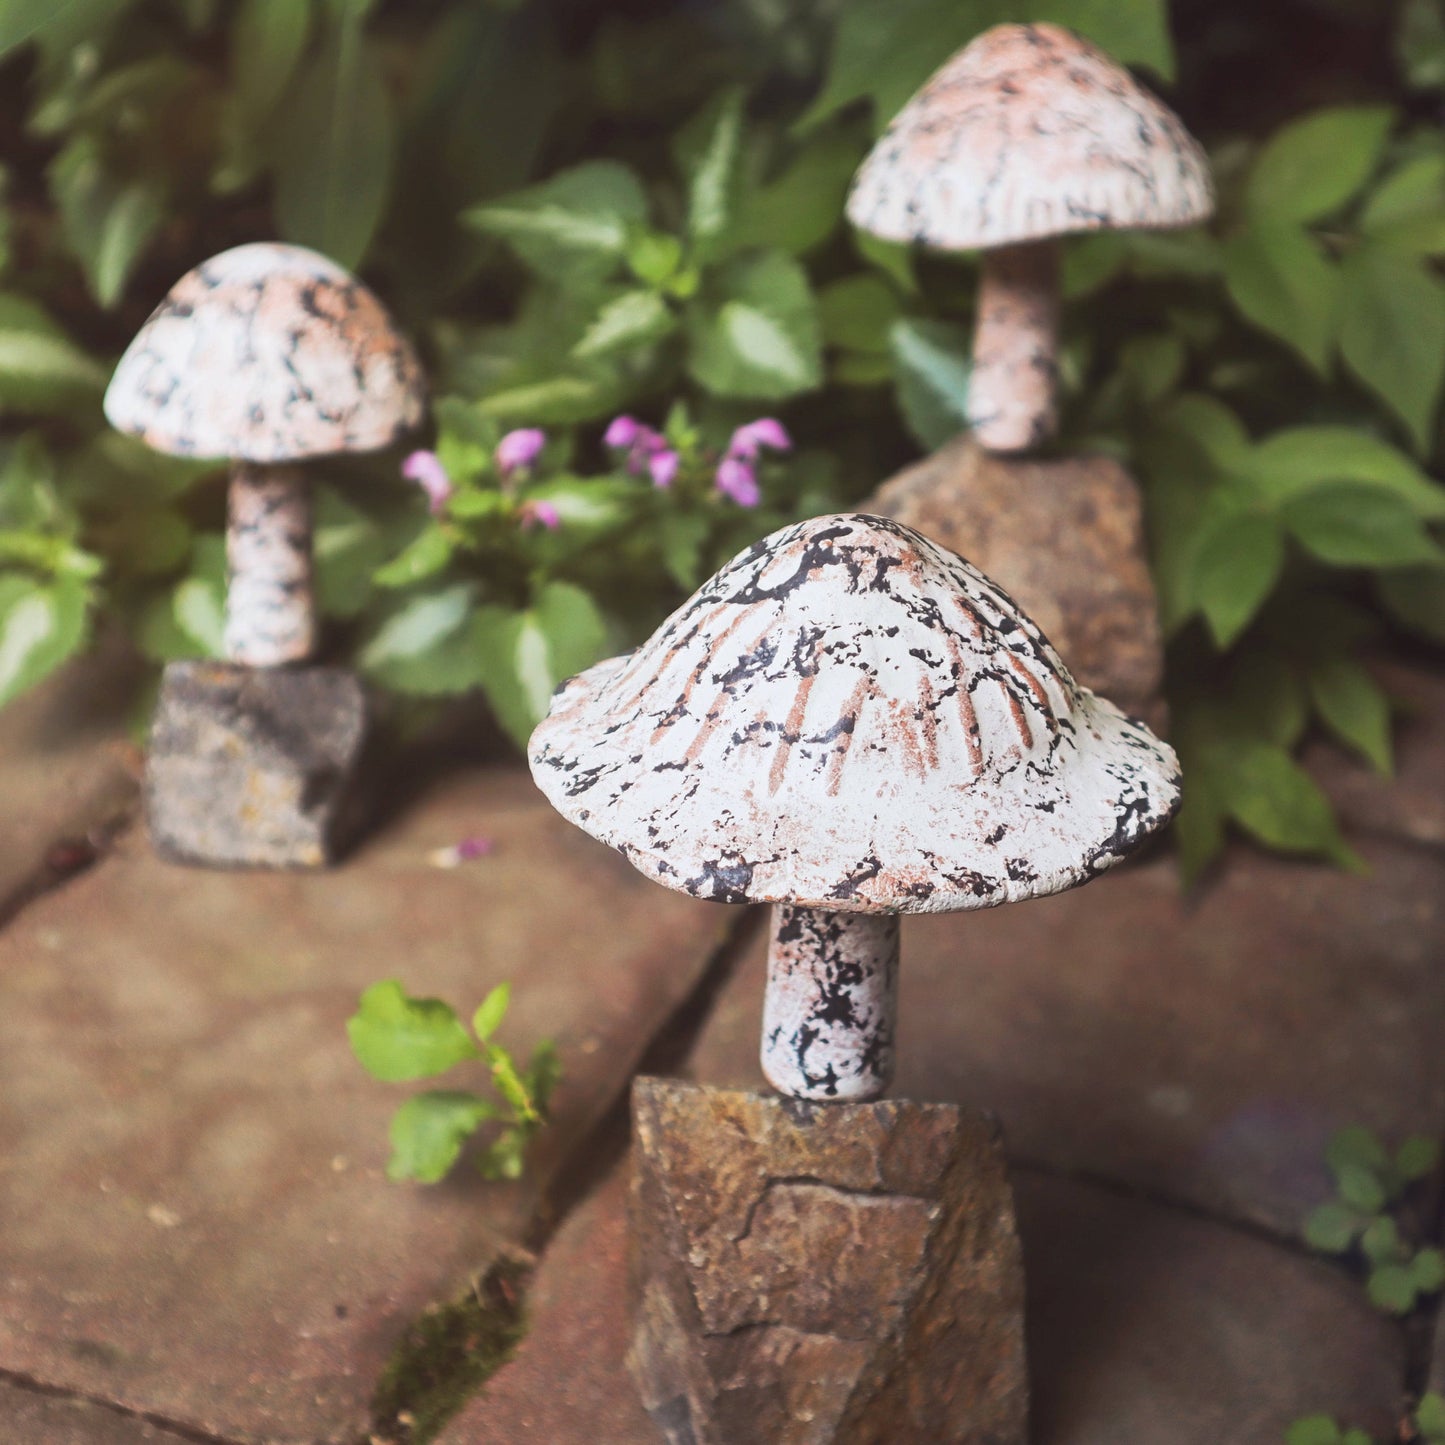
(580, 209)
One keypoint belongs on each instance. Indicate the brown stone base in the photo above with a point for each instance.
(251, 767)
(809, 1273)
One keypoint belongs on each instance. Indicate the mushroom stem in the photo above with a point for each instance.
(831, 1003)
(1012, 394)
(270, 616)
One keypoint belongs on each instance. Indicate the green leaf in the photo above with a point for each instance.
(421, 622)
(1415, 596)
(1360, 1188)
(61, 22)
(579, 218)
(1392, 334)
(1391, 1288)
(335, 146)
(41, 626)
(41, 370)
(1313, 1430)
(1281, 282)
(108, 217)
(858, 312)
(1301, 459)
(267, 40)
(1276, 801)
(1354, 707)
(426, 555)
(1414, 192)
(760, 338)
(681, 535)
(1349, 525)
(1427, 1270)
(1417, 1158)
(504, 1159)
(348, 547)
(1239, 559)
(1313, 166)
(491, 1011)
(1355, 1436)
(1430, 1415)
(1331, 1228)
(1420, 43)
(398, 1038)
(525, 656)
(1381, 1241)
(632, 319)
(429, 1130)
(931, 362)
(714, 169)
(803, 206)
(1357, 1146)
(559, 401)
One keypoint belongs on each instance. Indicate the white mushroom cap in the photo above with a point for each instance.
(267, 353)
(848, 716)
(1029, 132)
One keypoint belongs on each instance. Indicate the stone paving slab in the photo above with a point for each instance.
(1202, 1048)
(1145, 1326)
(29, 1417)
(65, 765)
(196, 1222)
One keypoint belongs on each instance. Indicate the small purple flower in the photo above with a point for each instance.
(519, 449)
(535, 514)
(765, 432)
(425, 469)
(622, 432)
(663, 467)
(642, 443)
(736, 479)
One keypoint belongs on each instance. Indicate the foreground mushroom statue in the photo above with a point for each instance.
(850, 723)
(267, 356)
(1027, 134)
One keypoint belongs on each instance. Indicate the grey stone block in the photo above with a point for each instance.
(252, 767)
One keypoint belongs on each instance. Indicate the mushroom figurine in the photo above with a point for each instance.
(851, 723)
(266, 356)
(1027, 134)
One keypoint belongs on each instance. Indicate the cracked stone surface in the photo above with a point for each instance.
(1201, 1047)
(65, 766)
(816, 1273)
(197, 1224)
(1065, 537)
(32, 1418)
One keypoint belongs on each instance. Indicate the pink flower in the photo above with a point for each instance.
(519, 449)
(622, 432)
(642, 443)
(765, 432)
(736, 479)
(663, 467)
(425, 469)
(533, 514)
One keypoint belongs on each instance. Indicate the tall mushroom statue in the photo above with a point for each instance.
(1027, 134)
(266, 356)
(849, 723)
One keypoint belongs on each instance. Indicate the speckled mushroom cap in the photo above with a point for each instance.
(848, 716)
(267, 353)
(1029, 132)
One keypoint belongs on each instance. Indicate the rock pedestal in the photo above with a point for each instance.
(1065, 536)
(251, 767)
(809, 1273)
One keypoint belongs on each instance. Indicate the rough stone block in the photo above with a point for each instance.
(823, 1272)
(252, 767)
(1065, 536)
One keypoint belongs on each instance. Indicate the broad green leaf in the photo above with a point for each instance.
(1360, 1188)
(1349, 525)
(1430, 1415)
(1331, 1228)
(1313, 166)
(1276, 801)
(931, 364)
(267, 40)
(41, 626)
(1415, 596)
(1313, 1430)
(1418, 1156)
(143, 541)
(1381, 1241)
(348, 547)
(1281, 282)
(53, 22)
(1413, 192)
(1358, 1147)
(429, 1130)
(398, 1038)
(592, 502)
(558, 401)
(1299, 460)
(759, 338)
(1238, 561)
(680, 537)
(857, 313)
(803, 206)
(335, 146)
(1392, 334)
(418, 626)
(1354, 707)
(200, 614)
(527, 655)
(1427, 1270)
(41, 370)
(426, 555)
(1153, 365)
(1392, 1288)
(634, 318)
(578, 218)
(491, 1011)
(714, 170)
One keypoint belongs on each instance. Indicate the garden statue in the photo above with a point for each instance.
(850, 723)
(267, 355)
(1027, 134)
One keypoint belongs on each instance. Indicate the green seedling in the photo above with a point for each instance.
(1426, 1424)
(398, 1038)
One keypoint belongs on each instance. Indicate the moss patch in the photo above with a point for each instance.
(446, 1354)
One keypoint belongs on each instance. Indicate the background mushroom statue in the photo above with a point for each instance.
(1027, 134)
(850, 723)
(266, 355)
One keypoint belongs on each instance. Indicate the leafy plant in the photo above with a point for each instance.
(1427, 1422)
(398, 1038)
(1370, 1184)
